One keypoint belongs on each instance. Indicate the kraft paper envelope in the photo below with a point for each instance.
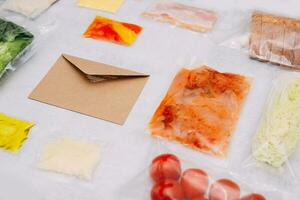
(90, 88)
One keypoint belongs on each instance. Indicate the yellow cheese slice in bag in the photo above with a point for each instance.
(105, 5)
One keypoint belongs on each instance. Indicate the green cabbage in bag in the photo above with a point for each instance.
(279, 131)
(13, 40)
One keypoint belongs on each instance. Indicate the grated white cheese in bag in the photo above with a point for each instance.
(70, 157)
(28, 8)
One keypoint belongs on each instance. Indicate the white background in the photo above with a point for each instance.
(161, 50)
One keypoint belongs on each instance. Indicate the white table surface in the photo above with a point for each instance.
(161, 50)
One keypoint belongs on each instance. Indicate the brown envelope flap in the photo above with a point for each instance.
(91, 68)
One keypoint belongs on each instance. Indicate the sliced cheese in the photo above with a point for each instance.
(105, 5)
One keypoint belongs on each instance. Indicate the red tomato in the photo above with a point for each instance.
(194, 182)
(165, 166)
(198, 198)
(224, 189)
(253, 196)
(167, 190)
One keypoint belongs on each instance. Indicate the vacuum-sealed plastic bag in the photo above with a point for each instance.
(275, 39)
(13, 132)
(28, 8)
(201, 109)
(14, 40)
(275, 149)
(114, 31)
(279, 132)
(268, 38)
(186, 16)
(277, 139)
(198, 17)
(19, 40)
(71, 157)
(109, 6)
(176, 175)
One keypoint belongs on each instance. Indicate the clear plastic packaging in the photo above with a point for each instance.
(119, 32)
(267, 37)
(13, 132)
(179, 175)
(182, 15)
(248, 174)
(20, 40)
(104, 5)
(279, 131)
(199, 17)
(201, 109)
(275, 149)
(70, 156)
(27, 8)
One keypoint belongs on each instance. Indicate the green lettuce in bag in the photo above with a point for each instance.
(13, 40)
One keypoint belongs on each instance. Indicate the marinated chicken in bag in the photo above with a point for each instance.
(201, 109)
(275, 39)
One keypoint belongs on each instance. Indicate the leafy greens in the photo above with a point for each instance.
(13, 40)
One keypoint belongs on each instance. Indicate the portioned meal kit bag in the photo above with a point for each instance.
(28, 8)
(267, 37)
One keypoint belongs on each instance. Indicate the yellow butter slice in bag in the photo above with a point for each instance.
(13, 132)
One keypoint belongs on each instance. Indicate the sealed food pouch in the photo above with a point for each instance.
(71, 157)
(278, 134)
(274, 157)
(201, 109)
(103, 28)
(275, 39)
(200, 18)
(104, 5)
(13, 41)
(13, 132)
(268, 38)
(175, 175)
(19, 40)
(182, 15)
(28, 8)
(67, 155)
